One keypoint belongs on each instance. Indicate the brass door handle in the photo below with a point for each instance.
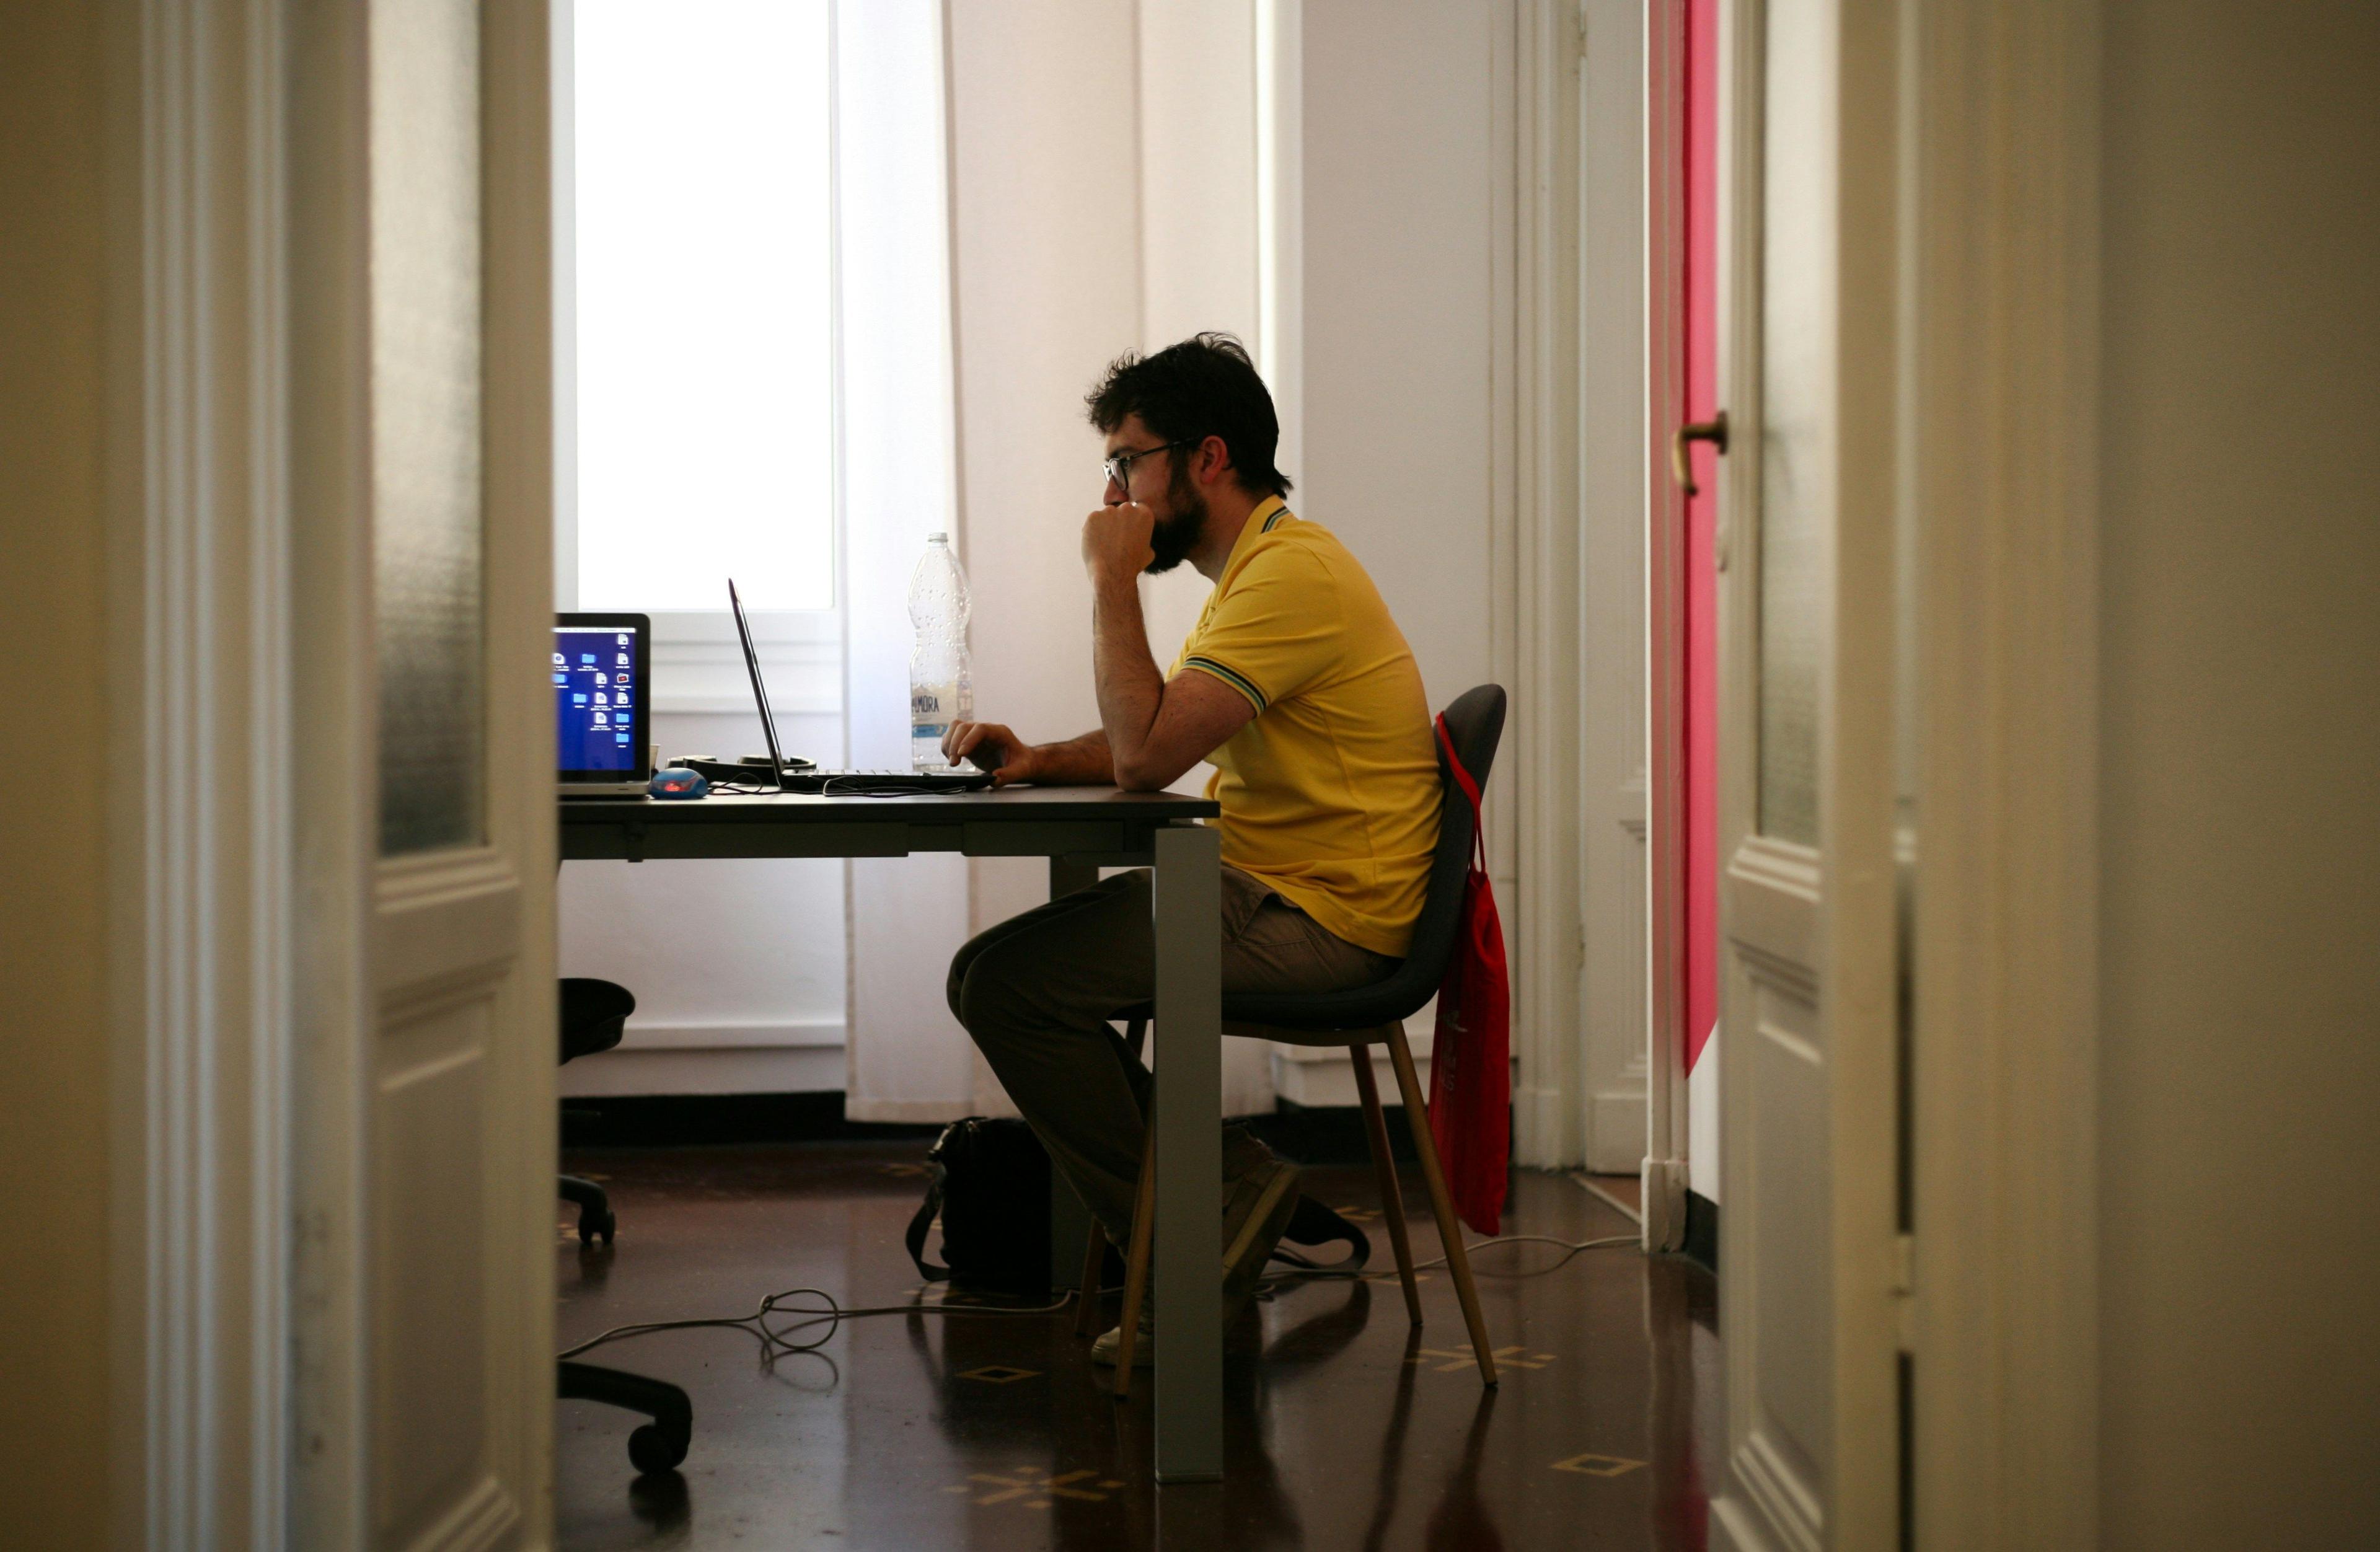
(1682, 467)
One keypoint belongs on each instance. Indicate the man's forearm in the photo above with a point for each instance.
(1077, 762)
(1130, 687)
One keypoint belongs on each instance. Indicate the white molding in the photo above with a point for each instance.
(1604, 229)
(198, 1305)
(2004, 326)
(762, 1035)
(1539, 578)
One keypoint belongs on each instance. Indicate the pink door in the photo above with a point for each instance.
(1698, 156)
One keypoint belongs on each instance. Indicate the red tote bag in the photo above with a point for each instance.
(1471, 1058)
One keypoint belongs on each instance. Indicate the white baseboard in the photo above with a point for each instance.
(762, 1035)
(628, 1071)
(1312, 1077)
(1665, 1203)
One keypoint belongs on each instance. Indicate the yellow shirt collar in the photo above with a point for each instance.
(1264, 513)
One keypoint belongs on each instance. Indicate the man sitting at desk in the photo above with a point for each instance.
(1299, 689)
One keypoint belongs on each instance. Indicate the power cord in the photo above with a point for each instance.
(776, 1341)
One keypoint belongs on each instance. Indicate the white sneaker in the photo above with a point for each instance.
(1143, 1347)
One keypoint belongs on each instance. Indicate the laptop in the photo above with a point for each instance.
(801, 775)
(599, 679)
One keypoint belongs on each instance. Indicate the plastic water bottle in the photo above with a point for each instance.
(941, 678)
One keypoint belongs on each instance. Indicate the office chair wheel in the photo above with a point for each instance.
(595, 1223)
(655, 1447)
(652, 1450)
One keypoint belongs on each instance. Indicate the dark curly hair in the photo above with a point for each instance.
(1205, 386)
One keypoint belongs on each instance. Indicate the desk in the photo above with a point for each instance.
(1081, 829)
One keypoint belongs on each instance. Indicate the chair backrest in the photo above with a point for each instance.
(1475, 725)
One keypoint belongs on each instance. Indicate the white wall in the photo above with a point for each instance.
(1398, 308)
(2239, 741)
(1396, 300)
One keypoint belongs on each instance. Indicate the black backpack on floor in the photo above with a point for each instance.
(992, 1189)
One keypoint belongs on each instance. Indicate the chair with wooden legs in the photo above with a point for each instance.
(1357, 1020)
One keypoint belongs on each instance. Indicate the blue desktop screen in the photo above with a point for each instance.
(596, 704)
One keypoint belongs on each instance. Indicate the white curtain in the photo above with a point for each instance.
(906, 1059)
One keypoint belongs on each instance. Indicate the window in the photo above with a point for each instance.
(705, 303)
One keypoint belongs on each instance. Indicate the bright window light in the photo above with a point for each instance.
(705, 302)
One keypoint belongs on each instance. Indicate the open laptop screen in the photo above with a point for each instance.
(599, 698)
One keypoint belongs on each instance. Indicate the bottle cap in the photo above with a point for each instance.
(937, 539)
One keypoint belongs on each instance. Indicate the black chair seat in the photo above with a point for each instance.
(593, 1015)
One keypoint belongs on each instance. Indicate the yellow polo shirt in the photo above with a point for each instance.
(1331, 795)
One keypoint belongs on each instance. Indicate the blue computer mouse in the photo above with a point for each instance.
(678, 782)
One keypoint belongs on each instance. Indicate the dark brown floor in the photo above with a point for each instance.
(1344, 1427)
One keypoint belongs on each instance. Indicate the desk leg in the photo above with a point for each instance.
(1189, 1048)
(1070, 1221)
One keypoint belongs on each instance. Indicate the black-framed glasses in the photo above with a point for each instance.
(1119, 466)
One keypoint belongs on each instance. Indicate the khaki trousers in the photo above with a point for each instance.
(1038, 991)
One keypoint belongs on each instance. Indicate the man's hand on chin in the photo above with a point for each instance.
(1115, 543)
(991, 747)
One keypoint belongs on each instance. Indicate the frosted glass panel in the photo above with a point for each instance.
(1797, 484)
(704, 261)
(426, 543)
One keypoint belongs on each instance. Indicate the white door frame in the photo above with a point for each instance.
(2002, 289)
(201, 838)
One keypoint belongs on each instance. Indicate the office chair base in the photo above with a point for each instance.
(660, 1445)
(595, 1219)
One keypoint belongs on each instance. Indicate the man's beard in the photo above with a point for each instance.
(1175, 536)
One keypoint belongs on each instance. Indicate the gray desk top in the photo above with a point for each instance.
(1099, 825)
(1044, 805)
